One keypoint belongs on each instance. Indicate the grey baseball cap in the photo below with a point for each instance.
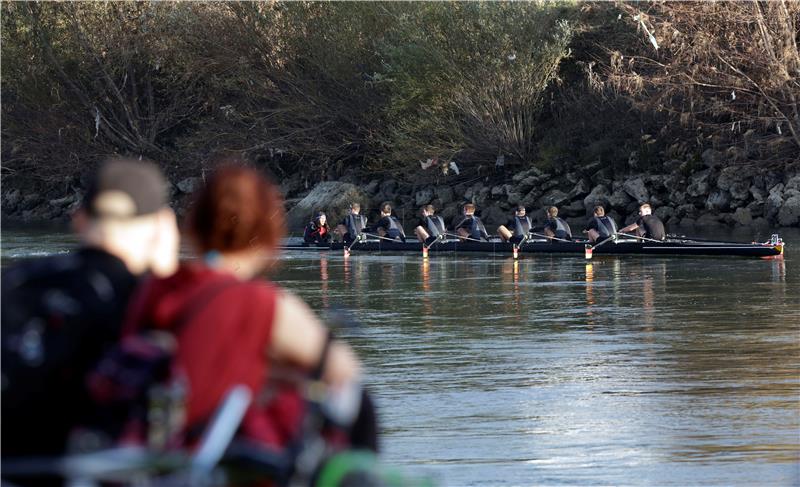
(126, 188)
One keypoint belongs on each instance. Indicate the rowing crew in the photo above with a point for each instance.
(431, 227)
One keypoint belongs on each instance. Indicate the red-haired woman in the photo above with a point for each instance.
(232, 328)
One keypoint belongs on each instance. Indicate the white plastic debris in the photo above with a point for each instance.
(512, 56)
(454, 167)
(733, 95)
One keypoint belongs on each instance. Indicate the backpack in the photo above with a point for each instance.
(58, 315)
(138, 389)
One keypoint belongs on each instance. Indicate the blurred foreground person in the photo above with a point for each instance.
(233, 328)
(60, 313)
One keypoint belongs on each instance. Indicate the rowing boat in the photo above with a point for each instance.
(672, 246)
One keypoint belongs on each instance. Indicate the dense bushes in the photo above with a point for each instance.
(324, 88)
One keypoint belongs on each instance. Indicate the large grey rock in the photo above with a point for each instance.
(727, 177)
(756, 208)
(62, 202)
(598, 196)
(636, 189)
(743, 217)
(664, 212)
(740, 190)
(332, 197)
(793, 183)
(498, 191)
(698, 184)
(514, 198)
(29, 202)
(11, 199)
(789, 214)
(773, 205)
(190, 185)
(719, 200)
(685, 210)
(554, 197)
(527, 184)
(531, 172)
(493, 216)
(712, 158)
(580, 189)
(620, 200)
(423, 196)
(758, 194)
(444, 194)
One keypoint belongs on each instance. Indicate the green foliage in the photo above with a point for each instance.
(467, 79)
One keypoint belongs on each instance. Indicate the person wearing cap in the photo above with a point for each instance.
(317, 231)
(61, 312)
(518, 227)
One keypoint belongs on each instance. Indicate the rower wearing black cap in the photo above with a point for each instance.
(600, 226)
(471, 227)
(517, 228)
(388, 226)
(431, 226)
(317, 231)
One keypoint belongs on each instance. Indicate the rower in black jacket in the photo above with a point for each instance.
(517, 228)
(431, 226)
(388, 226)
(648, 225)
(471, 226)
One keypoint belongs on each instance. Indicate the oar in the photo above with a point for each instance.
(590, 248)
(515, 247)
(379, 237)
(640, 238)
(347, 248)
(551, 238)
(426, 247)
(464, 238)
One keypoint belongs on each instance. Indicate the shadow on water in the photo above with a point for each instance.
(554, 370)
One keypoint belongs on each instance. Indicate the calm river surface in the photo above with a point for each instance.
(554, 371)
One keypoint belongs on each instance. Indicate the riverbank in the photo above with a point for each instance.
(683, 194)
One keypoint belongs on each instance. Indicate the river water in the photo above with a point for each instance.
(553, 371)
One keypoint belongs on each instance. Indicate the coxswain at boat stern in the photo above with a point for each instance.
(431, 226)
(556, 227)
(471, 227)
(517, 228)
(352, 225)
(648, 225)
(388, 226)
(317, 231)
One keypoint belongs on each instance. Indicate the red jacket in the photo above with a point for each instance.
(224, 330)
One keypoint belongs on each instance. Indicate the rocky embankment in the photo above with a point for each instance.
(710, 195)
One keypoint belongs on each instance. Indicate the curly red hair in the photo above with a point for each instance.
(237, 209)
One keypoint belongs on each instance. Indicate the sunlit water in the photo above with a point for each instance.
(623, 371)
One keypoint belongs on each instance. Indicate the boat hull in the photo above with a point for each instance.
(669, 247)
